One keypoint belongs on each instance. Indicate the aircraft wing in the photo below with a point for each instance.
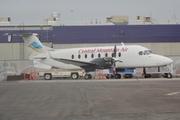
(75, 62)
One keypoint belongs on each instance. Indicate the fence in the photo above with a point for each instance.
(14, 67)
(17, 67)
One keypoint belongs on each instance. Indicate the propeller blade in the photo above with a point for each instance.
(114, 60)
(114, 51)
(114, 64)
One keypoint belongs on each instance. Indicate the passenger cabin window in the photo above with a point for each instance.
(99, 55)
(72, 56)
(112, 55)
(85, 55)
(79, 56)
(92, 55)
(119, 54)
(106, 54)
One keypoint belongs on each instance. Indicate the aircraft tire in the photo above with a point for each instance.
(90, 76)
(107, 76)
(47, 76)
(169, 75)
(128, 76)
(87, 76)
(147, 76)
(74, 75)
(117, 76)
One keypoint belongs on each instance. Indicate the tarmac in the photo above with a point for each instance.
(124, 99)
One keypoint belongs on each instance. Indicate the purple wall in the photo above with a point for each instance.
(112, 34)
(103, 34)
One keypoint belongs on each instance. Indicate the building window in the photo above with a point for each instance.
(72, 56)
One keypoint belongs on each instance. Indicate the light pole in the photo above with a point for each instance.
(71, 14)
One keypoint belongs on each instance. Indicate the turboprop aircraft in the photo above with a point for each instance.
(91, 58)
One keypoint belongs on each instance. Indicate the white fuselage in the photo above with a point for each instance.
(132, 56)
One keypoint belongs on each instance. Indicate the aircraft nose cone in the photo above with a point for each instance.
(168, 61)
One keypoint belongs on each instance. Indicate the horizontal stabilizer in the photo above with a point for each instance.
(40, 65)
(19, 34)
(37, 57)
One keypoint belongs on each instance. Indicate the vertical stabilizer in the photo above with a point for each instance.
(32, 43)
(34, 46)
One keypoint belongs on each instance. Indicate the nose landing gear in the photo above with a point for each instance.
(167, 75)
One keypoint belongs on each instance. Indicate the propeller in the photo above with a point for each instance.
(114, 54)
(114, 59)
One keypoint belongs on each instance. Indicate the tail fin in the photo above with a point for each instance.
(34, 46)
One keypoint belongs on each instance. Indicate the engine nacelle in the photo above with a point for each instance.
(103, 63)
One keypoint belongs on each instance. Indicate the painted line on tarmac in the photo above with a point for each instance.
(173, 93)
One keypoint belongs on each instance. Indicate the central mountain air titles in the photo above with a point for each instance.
(101, 50)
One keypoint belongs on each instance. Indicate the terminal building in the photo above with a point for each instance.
(163, 39)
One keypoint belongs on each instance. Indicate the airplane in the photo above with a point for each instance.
(91, 58)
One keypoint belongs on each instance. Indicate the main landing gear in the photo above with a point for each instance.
(118, 76)
(110, 76)
(88, 76)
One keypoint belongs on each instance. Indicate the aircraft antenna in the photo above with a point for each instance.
(174, 16)
(122, 44)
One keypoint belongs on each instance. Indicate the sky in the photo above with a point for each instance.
(38, 10)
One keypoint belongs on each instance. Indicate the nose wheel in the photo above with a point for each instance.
(167, 75)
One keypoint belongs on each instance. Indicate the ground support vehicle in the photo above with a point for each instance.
(50, 74)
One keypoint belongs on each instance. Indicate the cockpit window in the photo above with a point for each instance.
(141, 52)
(147, 52)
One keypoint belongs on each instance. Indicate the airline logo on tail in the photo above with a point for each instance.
(35, 46)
